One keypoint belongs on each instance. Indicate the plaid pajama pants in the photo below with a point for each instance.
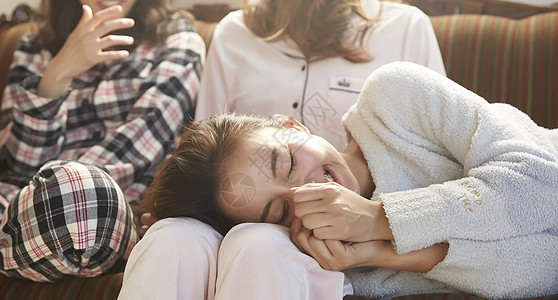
(71, 220)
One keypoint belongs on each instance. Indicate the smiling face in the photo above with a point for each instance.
(259, 174)
(97, 5)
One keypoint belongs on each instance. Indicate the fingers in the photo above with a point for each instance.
(87, 15)
(308, 198)
(104, 21)
(296, 233)
(300, 236)
(315, 191)
(325, 227)
(96, 30)
(309, 244)
(330, 254)
(304, 206)
(313, 204)
(112, 12)
(113, 40)
(111, 25)
(336, 248)
(314, 221)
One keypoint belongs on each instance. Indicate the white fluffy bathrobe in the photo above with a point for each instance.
(450, 167)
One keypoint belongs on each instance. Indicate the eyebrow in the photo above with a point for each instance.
(274, 156)
(265, 212)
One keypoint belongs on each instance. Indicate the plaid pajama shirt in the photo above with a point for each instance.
(115, 124)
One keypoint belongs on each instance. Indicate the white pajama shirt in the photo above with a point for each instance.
(248, 75)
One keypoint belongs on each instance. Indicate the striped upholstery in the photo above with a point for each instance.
(505, 60)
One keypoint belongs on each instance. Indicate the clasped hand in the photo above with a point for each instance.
(338, 227)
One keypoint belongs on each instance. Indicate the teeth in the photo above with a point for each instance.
(110, 3)
(328, 176)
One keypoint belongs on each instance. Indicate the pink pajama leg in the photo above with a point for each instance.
(259, 261)
(176, 259)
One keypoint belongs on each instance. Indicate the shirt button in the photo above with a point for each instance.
(295, 105)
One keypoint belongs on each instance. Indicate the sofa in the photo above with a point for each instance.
(502, 59)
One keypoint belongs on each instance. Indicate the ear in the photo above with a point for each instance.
(290, 122)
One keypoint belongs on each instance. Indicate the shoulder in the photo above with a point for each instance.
(234, 17)
(26, 44)
(186, 40)
(27, 54)
(180, 48)
(232, 33)
(400, 11)
(232, 23)
(183, 35)
(179, 22)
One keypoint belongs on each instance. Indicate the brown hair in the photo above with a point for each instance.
(58, 18)
(317, 26)
(187, 184)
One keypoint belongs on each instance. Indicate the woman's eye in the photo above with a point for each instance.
(285, 212)
(293, 164)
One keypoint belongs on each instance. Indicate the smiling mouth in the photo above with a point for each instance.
(328, 176)
(106, 4)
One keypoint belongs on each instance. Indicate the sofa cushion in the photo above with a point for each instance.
(102, 287)
(505, 60)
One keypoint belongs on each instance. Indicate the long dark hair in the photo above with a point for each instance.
(187, 184)
(58, 18)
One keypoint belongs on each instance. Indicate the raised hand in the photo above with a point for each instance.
(334, 212)
(89, 44)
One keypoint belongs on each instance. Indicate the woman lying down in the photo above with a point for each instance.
(438, 191)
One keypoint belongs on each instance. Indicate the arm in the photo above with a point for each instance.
(164, 103)
(85, 47)
(34, 109)
(498, 213)
(508, 165)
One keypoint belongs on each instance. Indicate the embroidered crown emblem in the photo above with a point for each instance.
(344, 83)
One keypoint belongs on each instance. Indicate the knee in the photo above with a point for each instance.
(85, 214)
(256, 238)
(191, 239)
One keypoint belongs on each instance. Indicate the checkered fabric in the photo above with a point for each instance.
(71, 220)
(121, 116)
